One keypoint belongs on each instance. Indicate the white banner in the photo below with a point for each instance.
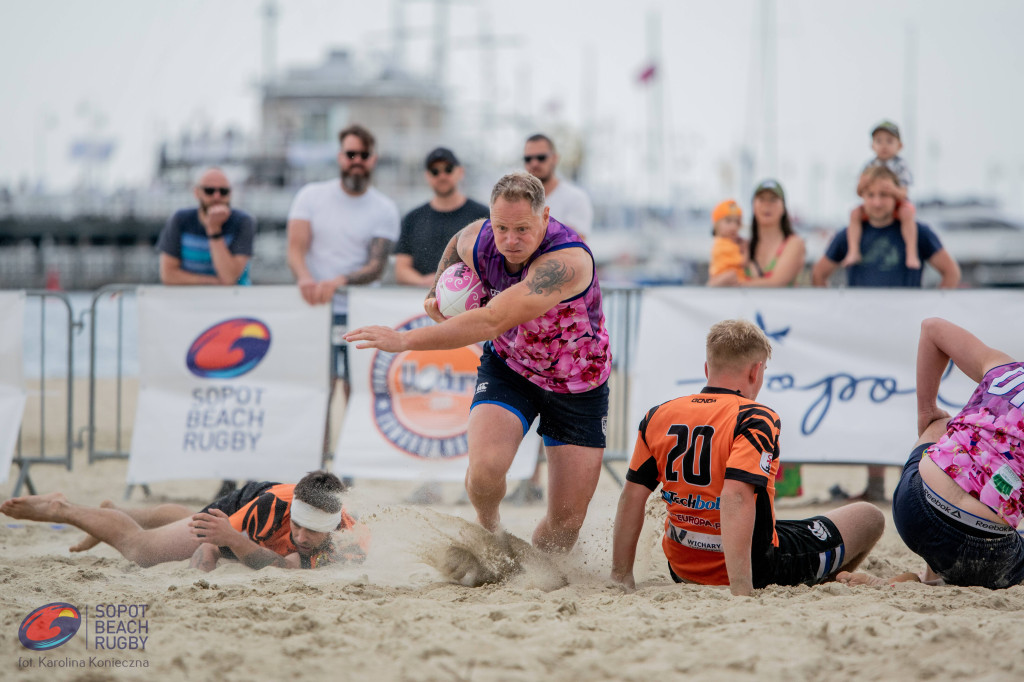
(12, 380)
(232, 384)
(842, 372)
(407, 416)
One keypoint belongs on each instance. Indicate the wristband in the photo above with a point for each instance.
(219, 235)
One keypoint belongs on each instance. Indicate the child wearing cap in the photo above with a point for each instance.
(885, 141)
(728, 251)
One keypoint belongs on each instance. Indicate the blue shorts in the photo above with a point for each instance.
(339, 347)
(565, 418)
(961, 553)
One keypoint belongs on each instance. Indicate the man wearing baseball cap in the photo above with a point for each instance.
(427, 229)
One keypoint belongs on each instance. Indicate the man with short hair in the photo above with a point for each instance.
(341, 232)
(262, 524)
(211, 244)
(715, 455)
(569, 204)
(883, 261)
(427, 229)
(546, 353)
(883, 252)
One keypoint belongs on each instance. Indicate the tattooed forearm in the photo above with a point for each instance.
(449, 258)
(377, 259)
(549, 277)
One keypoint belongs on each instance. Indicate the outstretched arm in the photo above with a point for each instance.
(214, 528)
(629, 521)
(738, 513)
(940, 342)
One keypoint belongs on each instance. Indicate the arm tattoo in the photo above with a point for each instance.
(263, 558)
(380, 247)
(549, 277)
(449, 258)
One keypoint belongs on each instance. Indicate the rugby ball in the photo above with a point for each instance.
(459, 290)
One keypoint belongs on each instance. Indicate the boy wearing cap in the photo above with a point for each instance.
(885, 141)
(427, 229)
(728, 251)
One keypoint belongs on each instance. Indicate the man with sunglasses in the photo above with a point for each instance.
(569, 204)
(340, 234)
(427, 229)
(211, 244)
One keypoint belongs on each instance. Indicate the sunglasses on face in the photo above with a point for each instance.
(539, 158)
(352, 156)
(210, 191)
(448, 170)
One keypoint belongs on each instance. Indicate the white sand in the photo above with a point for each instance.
(395, 617)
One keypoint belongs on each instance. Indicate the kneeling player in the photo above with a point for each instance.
(715, 455)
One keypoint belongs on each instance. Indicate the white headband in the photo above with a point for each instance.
(311, 518)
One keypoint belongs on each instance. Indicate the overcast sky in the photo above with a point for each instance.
(139, 71)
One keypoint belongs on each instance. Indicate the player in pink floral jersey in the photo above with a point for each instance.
(960, 498)
(546, 354)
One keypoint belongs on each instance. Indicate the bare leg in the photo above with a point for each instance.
(145, 547)
(860, 578)
(573, 472)
(146, 517)
(494, 437)
(853, 234)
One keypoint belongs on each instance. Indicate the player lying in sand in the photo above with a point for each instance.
(961, 498)
(261, 524)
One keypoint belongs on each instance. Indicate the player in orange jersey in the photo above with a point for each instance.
(261, 524)
(715, 455)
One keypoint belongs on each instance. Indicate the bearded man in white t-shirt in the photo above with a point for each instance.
(341, 233)
(569, 204)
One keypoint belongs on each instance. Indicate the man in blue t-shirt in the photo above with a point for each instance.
(211, 244)
(883, 262)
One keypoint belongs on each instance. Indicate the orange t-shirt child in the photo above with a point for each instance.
(728, 251)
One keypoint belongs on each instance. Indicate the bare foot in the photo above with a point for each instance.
(35, 507)
(461, 566)
(913, 262)
(859, 578)
(88, 542)
(851, 259)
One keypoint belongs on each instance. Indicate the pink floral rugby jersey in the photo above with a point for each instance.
(566, 349)
(983, 449)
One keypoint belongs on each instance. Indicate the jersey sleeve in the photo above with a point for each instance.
(169, 241)
(643, 465)
(261, 519)
(838, 247)
(241, 245)
(755, 445)
(301, 208)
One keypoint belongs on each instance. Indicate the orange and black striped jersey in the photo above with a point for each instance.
(690, 446)
(265, 517)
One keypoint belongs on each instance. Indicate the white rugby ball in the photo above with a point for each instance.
(459, 290)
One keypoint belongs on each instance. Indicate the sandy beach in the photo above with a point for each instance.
(395, 617)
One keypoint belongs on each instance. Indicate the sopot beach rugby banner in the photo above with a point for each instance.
(842, 374)
(408, 411)
(232, 384)
(12, 382)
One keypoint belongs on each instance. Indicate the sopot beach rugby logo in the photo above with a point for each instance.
(229, 349)
(49, 626)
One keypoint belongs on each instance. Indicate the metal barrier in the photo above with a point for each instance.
(23, 461)
(113, 291)
(622, 313)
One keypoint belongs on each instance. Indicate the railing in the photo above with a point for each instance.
(21, 459)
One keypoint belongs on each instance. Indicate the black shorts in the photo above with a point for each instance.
(810, 551)
(962, 553)
(236, 499)
(565, 418)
